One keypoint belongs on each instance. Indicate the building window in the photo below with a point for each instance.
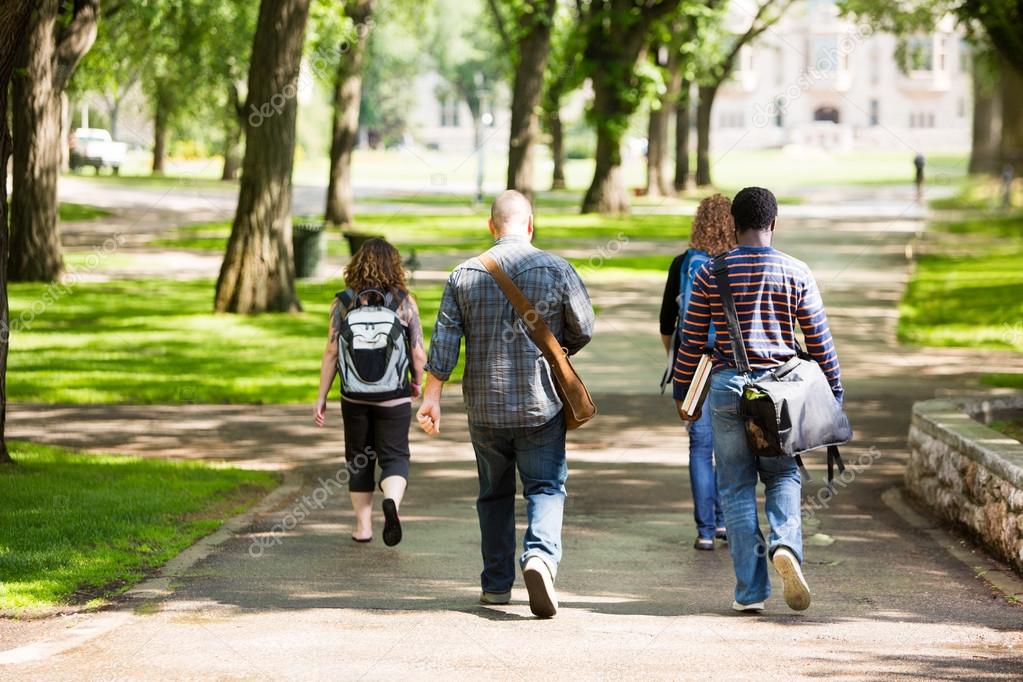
(921, 119)
(450, 113)
(779, 113)
(961, 107)
(875, 67)
(941, 54)
(779, 66)
(920, 53)
(875, 117)
(825, 53)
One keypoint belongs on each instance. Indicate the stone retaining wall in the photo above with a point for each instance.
(968, 473)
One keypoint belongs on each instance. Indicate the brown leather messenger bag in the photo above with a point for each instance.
(578, 405)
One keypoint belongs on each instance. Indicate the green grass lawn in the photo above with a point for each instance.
(156, 341)
(979, 193)
(969, 299)
(78, 528)
(71, 212)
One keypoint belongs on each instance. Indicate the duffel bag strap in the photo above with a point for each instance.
(728, 303)
(802, 468)
(834, 459)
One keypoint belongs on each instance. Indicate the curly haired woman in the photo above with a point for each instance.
(713, 233)
(376, 426)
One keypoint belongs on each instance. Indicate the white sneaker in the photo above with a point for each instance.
(495, 598)
(755, 607)
(797, 592)
(543, 601)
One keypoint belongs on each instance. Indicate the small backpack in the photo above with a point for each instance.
(373, 348)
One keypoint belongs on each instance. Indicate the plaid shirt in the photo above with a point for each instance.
(507, 382)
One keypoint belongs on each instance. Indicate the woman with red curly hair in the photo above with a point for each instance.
(376, 423)
(713, 234)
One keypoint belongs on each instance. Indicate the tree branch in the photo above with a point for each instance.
(754, 30)
(502, 29)
(75, 40)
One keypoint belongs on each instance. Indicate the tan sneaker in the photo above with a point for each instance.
(797, 592)
(543, 601)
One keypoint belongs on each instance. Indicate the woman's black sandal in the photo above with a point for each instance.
(392, 524)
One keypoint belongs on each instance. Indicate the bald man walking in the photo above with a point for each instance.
(515, 418)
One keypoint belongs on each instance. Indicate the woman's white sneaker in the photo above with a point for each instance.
(797, 592)
(755, 607)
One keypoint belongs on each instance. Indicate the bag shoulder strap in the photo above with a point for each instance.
(538, 330)
(728, 303)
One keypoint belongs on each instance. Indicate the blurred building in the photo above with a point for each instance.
(821, 81)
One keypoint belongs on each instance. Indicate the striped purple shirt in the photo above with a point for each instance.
(773, 294)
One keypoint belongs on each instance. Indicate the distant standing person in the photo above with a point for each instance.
(515, 415)
(379, 377)
(713, 233)
(774, 294)
(918, 163)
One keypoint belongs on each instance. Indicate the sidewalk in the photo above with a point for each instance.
(637, 601)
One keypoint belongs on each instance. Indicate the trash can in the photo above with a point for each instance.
(309, 244)
(357, 239)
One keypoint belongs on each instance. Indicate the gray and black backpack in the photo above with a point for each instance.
(373, 347)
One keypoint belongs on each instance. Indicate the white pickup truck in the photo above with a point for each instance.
(94, 147)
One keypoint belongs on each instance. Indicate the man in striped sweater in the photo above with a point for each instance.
(774, 294)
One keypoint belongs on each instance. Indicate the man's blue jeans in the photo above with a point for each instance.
(539, 455)
(706, 501)
(737, 478)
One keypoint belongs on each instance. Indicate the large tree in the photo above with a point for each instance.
(56, 38)
(718, 65)
(347, 101)
(662, 110)
(258, 273)
(618, 31)
(14, 15)
(525, 28)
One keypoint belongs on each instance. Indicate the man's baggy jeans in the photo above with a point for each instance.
(539, 455)
(737, 470)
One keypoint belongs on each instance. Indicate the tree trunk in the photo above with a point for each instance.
(657, 183)
(987, 124)
(160, 136)
(682, 137)
(347, 96)
(703, 111)
(533, 49)
(35, 238)
(657, 140)
(13, 18)
(1012, 116)
(607, 191)
(258, 273)
(556, 128)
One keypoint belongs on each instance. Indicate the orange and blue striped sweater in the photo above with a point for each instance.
(773, 294)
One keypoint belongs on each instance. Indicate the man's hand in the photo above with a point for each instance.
(685, 417)
(429, 416)
(320, 413)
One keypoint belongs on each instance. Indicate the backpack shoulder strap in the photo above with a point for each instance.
(346, 298)
(720, 267)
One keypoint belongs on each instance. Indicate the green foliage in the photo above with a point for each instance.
(462, 44)
(80, 527)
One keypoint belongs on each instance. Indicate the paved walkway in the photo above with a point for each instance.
(889, 601)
